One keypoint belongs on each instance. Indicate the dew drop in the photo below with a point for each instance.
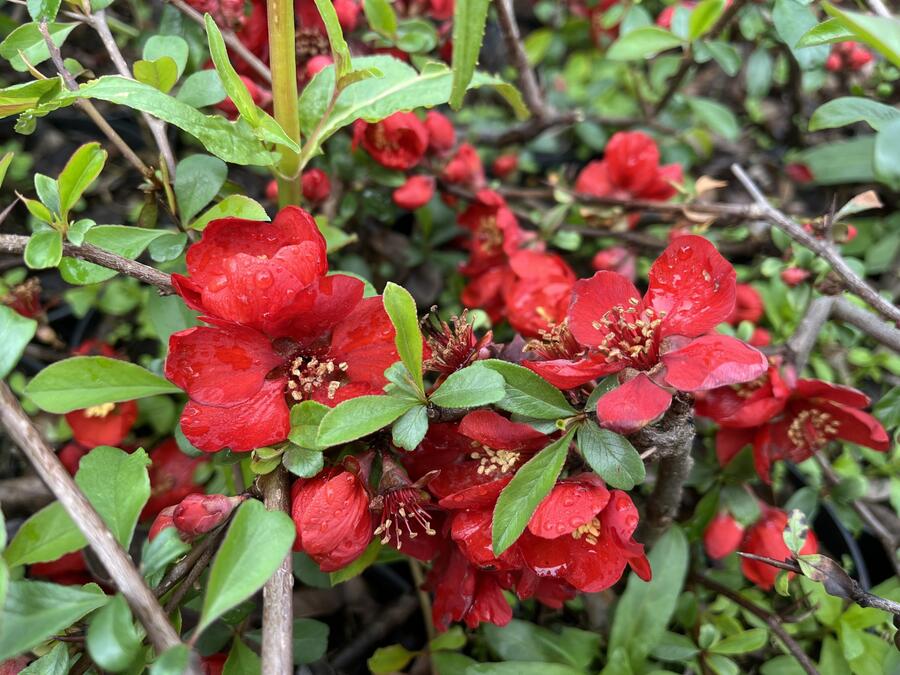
(263, 279)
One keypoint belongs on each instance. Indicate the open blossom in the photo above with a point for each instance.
(454, 345)
(630, 169)
(465, 168)
(280, 332)
(616, 259)
(785, 418)
(748, 305)
(766, 538)
(537, 291)
(657, 344)
(397, 142)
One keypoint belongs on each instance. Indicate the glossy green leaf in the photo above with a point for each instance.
(231, 81)
(21, 97)
(233, 206)
(173, 661)
(886, 160)
(84, 381)
(241, 660)
(43, 10)
(469, 18)
(792, 21)
(522, 668)
(703, 17)
(45, 536)
(38, 610)
(528, 394)
(202, 89)
(401, 308)
(112, 640)
(54, 662)
(340, 52)
(198, 180)
(161, 73)
(172, 46)
(28, 40)
(881, 33)
(44, 249)
(611, 456)
(826, 33)
(16, 332)
(302, 462)
(642, 43)
(741, 643)
(528, 487)
(847, 110)
(255, 545)
(381, 17)
(306, 417)
(409, 430)
(839, 162)
(470, 387)
(80, 171)
(358, 417)
(390, 659)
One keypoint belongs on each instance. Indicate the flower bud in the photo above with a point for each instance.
(794, 276)
(198, 514)
(161, 522)
(504, 165)
(441, 134)
(415, 193)
(315, 185)
(722, 536)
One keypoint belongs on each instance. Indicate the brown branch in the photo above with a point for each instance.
(278, 610)
(88, 107)
(771, 620)
(867, 322)
(687, 59)
(824, 249)
(191, 578)
(114, 558)
(230, 39)
(26, 494)
(801, 343)
(515, 49)
(16, 243)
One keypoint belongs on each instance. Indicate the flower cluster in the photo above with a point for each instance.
(847, 57)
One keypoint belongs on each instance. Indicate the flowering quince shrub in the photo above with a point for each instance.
(449, 336)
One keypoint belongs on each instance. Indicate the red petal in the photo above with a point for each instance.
(220, 365)
(261, 420)
(728, 407)
(633, 160)
(109, 429)
(722, 536)
(594, 179)
(498, 433)
(349, 549)
(632, 405)
(729, 442)
(317, 310)
(365, 341)
(831, 392)
(546, 557)
(713, 361)
(332, 514)
(858, 427)
(592, 298)
(489, 604)
(661, 188)
(693, 284)
(472, 496)
(595, 567)
(570, 504)
(471, 530)
(565, 374)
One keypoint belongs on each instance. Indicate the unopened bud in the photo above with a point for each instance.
(198, 514)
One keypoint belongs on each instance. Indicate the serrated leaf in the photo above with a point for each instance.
(611, 456)
(409, 430)
(401, 308)
(527, 393)
(469, 17)
(45, 536)
(470, 387)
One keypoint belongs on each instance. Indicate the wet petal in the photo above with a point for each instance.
(713, 361)
(594, 297)
(632, 405)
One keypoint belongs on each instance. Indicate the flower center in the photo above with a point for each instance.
(489, 235)
(590, 531)
(101, 410)
(811, 429)
(492, 461)
(307, 375)
(747, 389)
(556, 343)
(629, 337)
(310, 42)
(400, 507)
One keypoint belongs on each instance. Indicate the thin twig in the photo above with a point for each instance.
(824, 249)
(190, 579)
(88, 107)
(801, 343)
(234, 43)
(25, 494)
(515, 49)
(771, 620)
(278, 608)
(16, 243)
(879, 8)
(867, 322)
(114, 558)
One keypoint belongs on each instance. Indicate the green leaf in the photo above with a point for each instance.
(112, 640)
(454, 638)
(825, 33)
(172, 46)
(642, 43)
(21, 97)
(841, 162)
(726, 55)
(38, 610)
(527, 489)
(703, 17)
(80, 171)
(846, 110)
(231, 81)
(85, 381)
(390, 659)
(469, 18)
(401, 308)
(528, 394)
(16, 332)
(381, 17)
(168, 314)
(44, 249)
(173, 661)
(645, 608)
(470, 387)
(30, 42)
(54, 662)
(410, 429)
(166, 547)
(117, 485)
(523, 641)
(233, 206)
(43, 10)
(792, 21)
(358, 566)
(716, 116)
(302, 462)
(5, 161)
(796, 532)
(198, 180)
(340, 52)
(306, 417)
(255, 545)
(674, 647)
(743, 642)
(522, 668)
(886, 160)
(241, 660)
(611, 456)
(310, 640)
(360, 417)
(882, 33)
(45, 536)
(160, 74)
(201, 89)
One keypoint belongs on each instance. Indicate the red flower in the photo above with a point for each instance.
(504, 165)
(722, 536)
(799, 173)
(748, 305)
(462, 592)
(630, 169)
(658, 343)
(25, 298)
(441, 134)
(14, 666)
(665, 17)
(788, 420)
(537, 291)
(453, 346)
(850, 56)
(68, 570)
(317, 64)
(104, 424)
(465, 168)
(164, 519)
(397, 142)
(407, 522)
(582, 533)
(315, 185)
(616, 259)
(766, 538)
(415, 193)
(213, 664)
(198, 514)
(331, 514)
(296, 334)
(171, 477)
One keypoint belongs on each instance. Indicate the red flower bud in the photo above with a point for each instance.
(465, 168)
(272, 190)
(794, 276)
(25, 298)
(799, 173)
(316, 64)
(766, 538)
(722, 536)
(213, 664)
(505, 165)
(163, 520)
(316, 185)
(441, 134)
(13, 666)
(415, 193)
(616, 259)
(198, 514)
(760, 338)
(71, 455)
(260, 96)
(347, 13)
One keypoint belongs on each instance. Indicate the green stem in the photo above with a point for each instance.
(283, 61)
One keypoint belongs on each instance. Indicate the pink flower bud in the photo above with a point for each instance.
(794, 276)
(722, 536)
(316, 185)
(272, 190)
(198, 514)
(162, 521)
